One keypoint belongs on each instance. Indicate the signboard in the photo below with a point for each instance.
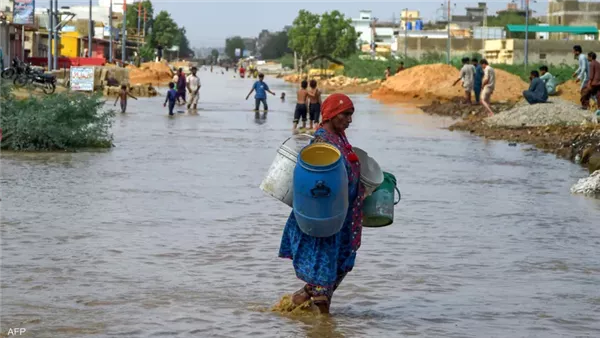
(238, 52)
(23, 12)
(82, 78)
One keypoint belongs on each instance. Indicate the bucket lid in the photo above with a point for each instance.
(370, 171)
(294, 144)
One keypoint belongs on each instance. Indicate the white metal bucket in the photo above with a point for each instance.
(371, 174)
(279, 179)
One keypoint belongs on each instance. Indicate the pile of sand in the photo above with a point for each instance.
(154, 73)
(136, 90)
(570, 91)
(434, 82)
(339, 83)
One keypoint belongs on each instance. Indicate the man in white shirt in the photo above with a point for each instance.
(193, 86)
(488, 85)
(467, 74)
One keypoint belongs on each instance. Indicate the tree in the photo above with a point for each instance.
(231, 44)
(165, 31)
(507, 18)
(184, 44)
(276, 46)
(132, 16)
(328, 34)
(214, 54)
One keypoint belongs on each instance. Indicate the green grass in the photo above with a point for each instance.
(562, 72)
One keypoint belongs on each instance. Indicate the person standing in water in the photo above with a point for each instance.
(261, 89)
(123, 94)
(171, 98)
(323, 262)
(181, 85)
(301, 105)
(314, 108)
(193, 86)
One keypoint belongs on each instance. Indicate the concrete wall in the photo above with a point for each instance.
(512, 51)
(417, 47)
(573, 13)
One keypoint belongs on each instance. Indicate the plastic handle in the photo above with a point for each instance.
(399, 196)
(320, 190)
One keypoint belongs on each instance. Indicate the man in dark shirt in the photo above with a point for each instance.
(593, 87)
(537, 92)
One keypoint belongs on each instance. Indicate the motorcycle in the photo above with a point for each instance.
(17, 67)
(38, 79)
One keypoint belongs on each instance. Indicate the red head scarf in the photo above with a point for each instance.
(334, 105)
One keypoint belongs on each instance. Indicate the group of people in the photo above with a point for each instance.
(388, 70)
(480, 78)
(308, 102)
(588, 74)
(178, 87)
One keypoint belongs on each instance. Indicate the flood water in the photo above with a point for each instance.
(168, 233)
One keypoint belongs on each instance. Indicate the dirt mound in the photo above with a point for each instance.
(434, 82)
(181, 64)
(155, 73)
(570, 91)
(339, 83)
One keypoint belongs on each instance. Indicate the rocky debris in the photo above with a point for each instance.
(588, 186)
(554, 112)
(339, 83)
(435, 82)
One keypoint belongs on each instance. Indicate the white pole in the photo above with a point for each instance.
(90, 33)
(526, 59)
(448, 42)
(50, 30)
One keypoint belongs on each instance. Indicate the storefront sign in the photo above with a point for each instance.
(23, 12)
(82, 78)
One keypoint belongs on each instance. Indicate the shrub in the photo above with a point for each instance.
(63, 121)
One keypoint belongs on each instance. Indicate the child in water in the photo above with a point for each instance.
(301, 106)
(123, 94)
(171, 98)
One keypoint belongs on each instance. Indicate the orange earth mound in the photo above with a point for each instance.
(434, 82)
(155, 73)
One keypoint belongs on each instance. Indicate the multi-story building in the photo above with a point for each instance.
(572, 13)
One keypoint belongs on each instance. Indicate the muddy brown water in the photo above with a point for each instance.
(168, 233)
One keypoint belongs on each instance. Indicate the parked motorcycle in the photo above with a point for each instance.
(17, 67)
(36, 79)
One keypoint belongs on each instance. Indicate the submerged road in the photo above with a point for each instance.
(168, 233)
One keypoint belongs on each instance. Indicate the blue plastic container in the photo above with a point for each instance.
(320, 190)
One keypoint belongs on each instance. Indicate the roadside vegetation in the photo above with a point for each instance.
(64, 121)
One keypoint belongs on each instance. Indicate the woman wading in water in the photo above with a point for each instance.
(324, 262)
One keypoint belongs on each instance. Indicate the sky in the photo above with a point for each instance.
(209, 22)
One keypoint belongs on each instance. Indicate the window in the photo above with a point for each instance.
(542, 56)
(503, 44)
(560, 20)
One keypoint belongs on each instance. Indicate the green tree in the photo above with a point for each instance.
(214, 54)
(507, 18)
(184, 44)
(276, 46)
(330, 34)
(133, 13)
(231, 44)
(165, 31)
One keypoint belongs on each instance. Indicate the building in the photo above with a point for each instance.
(512, 51)
(572, 13)
(117, 4)
(370, 30)
(475, 16)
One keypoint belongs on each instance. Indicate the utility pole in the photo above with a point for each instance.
(90, 33)
(448, 42)
(139, 15)
(50, 30)
(145, 18)
(405, 34)
(526, 59)
(56, 41)
(124, 33)
(110, 32)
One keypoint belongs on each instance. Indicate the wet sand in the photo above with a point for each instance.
(169, 234)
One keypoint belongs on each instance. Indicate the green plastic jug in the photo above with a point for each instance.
(378, 208)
